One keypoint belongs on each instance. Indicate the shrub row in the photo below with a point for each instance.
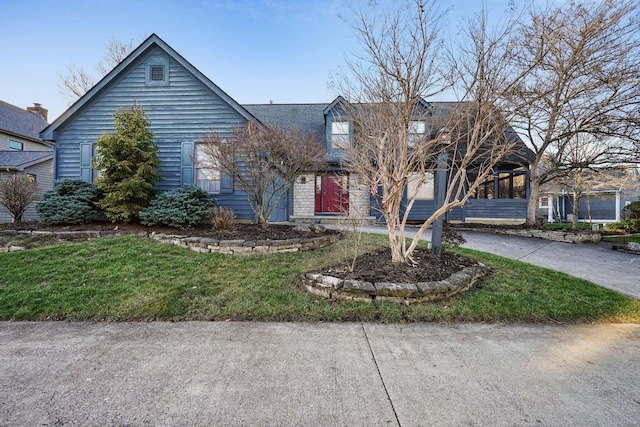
(75, 201)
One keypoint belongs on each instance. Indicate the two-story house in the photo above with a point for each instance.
(22, 152)
(182, 105)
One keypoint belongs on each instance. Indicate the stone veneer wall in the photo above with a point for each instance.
(304, 196)
(358, 197)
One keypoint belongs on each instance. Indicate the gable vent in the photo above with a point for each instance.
(157, 73)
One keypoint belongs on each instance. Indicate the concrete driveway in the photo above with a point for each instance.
(597, 263)
(352, 374)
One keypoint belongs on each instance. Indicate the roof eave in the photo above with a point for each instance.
(48, 133)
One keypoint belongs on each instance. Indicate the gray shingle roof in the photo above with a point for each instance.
(306, 117)
(310, 118)
(17, 159)
(22, 122)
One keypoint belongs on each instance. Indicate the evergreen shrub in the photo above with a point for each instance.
(631, 211)
(182, 208)
(71, 202)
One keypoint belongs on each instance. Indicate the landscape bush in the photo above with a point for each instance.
(628, 225)
(631, 211)
(16, 193)
(181, 208)
(71, 202)
(221, 218)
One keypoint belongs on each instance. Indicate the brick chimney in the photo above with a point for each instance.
(37, 108)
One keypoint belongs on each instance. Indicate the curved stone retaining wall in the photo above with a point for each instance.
(555, 235)
(199, 244)
(407, 293)
(247, 247)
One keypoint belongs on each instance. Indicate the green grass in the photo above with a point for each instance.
(623, 239)
(566, 226)
(130, 278)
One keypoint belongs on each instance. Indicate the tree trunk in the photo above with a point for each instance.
(576, 210)
(532, 203)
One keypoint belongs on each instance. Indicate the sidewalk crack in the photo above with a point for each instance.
(373, 356)
(534, 251)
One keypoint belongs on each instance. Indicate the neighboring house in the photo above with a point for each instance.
(604, 195)
(182, 105)
(22, 152)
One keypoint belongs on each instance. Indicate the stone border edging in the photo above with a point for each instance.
(198, 244)
(331, 287)
(556, 236)
(630, 247)
(246, 247)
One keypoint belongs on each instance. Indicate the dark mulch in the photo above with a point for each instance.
(377, 267)
(238, 232)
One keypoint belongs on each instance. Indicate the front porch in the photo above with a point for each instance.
(337, 198)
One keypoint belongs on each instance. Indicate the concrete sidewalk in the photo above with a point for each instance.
(256, 374)
(597, 263)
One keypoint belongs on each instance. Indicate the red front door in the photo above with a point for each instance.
(332, 194)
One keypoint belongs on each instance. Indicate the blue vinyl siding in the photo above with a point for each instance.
(496, 208)
(180, 114)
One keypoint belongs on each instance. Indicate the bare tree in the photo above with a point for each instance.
(16, 193)
(585, 80)
(263, 161)
(397, 136)
(579, 166)
(77, 81)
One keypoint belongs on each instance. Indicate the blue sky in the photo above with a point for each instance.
(255, 50)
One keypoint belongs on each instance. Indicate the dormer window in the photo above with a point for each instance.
(157, 72)
(340, 135)
(15, 146)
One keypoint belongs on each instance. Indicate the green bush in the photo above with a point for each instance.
(628, 225)
(79, 189)
(182, 208)
(128, 165)
(71, 202)
(632, 211)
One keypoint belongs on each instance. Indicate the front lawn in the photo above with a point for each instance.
(132, 278)
(566, 226)
(623, 239)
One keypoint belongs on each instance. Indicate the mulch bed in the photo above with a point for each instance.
(377, 267)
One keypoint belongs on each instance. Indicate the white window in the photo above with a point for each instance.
(417, 129)
(340, 135)
(15, 146)
(207, 172)
(543, 202)
(420, 186)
